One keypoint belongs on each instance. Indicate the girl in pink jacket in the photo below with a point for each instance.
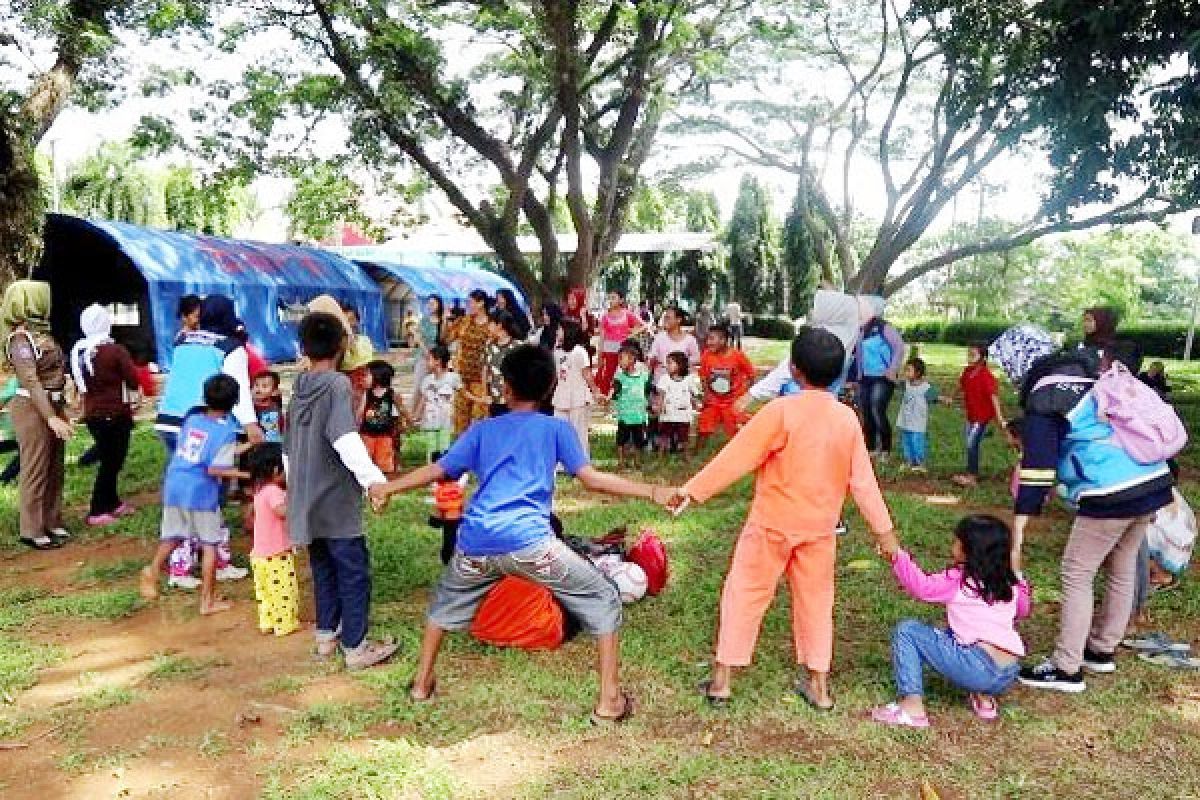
(979, 649)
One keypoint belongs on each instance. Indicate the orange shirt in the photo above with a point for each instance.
(726, 376)
(808, 452)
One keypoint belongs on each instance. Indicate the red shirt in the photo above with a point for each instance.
(978, 386)
(726, 376)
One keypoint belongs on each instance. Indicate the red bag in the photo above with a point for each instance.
(520, 613)
(650, 554)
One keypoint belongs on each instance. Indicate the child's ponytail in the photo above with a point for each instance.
(987, 567)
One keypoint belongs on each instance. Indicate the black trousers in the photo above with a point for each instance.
(875, 397)
(112, 446)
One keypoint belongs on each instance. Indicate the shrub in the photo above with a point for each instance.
(766, 326)
(961, 332)
(1160, 339)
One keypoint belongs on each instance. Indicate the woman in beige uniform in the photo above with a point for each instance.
(38, 414)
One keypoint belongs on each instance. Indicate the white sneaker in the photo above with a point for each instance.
(183, 582)
(232, 573)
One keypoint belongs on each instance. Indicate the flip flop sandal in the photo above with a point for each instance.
(427, 698)
(894, 716)
(1156, 642)
(803, 691)
(601, 721)
(1171, 661)
(41, 543)
(1161, 588)
(714, 700)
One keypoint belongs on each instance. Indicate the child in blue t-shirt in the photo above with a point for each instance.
(204, 454)
(506, 529)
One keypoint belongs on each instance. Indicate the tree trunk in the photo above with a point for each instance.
(21, 203)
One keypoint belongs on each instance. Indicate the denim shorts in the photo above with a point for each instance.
(583, 590)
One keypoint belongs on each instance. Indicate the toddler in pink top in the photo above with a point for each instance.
(272, 558)
(980, 649)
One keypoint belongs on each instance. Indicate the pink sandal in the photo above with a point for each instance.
(895, 716)
(988, 712)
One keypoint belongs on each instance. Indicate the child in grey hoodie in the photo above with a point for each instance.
(328, 469)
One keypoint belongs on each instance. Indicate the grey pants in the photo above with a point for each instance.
(1095, 543)
(584, 591)
(42, 466)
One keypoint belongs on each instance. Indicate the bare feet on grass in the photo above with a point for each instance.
(215, 606)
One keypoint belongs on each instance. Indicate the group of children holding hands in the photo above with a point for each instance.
(655, 404)
(807, 451)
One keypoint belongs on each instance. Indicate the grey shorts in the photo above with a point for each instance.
(584, 591)
(184, 523)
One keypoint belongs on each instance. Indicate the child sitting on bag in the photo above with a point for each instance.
(506, 529)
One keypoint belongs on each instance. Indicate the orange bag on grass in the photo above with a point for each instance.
(520, 613)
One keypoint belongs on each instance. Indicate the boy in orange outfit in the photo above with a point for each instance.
(808, 452)
(726, 374)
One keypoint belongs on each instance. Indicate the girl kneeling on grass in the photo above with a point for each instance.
(980, 649)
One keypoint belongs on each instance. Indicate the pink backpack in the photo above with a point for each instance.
(1145, 426)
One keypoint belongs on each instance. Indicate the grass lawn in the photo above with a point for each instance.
(138, 701)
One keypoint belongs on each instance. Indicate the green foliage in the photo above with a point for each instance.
(1158, 338)
(113, 183)
(801, 257)
(324, 197)
(767, 326)
(212, 205)
(109, 184)
(962, 332)
(752, 239)
(20, 660)
(385, 769)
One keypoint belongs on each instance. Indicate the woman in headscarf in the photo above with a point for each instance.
(1099, 330)
(878, 360)
(38, 411)
(106, 379)
(576, 309)
(197, 356)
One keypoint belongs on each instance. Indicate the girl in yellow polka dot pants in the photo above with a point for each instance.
(277, 593)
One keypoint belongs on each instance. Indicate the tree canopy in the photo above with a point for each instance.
(935, 98)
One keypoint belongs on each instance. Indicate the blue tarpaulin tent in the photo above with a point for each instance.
(408, 281)
(143, 273)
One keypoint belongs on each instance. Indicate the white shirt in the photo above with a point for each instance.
(437, 395)
(678, 397)
(572, 390)
(734, 312)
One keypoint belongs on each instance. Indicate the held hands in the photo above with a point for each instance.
(379, 495)
(887, 545)
(61, 427)
(674, 500)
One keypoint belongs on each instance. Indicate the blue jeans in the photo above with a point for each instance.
(876, 397)
(974, 433)
(915, 644)
(341, 574)
(914, 445)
